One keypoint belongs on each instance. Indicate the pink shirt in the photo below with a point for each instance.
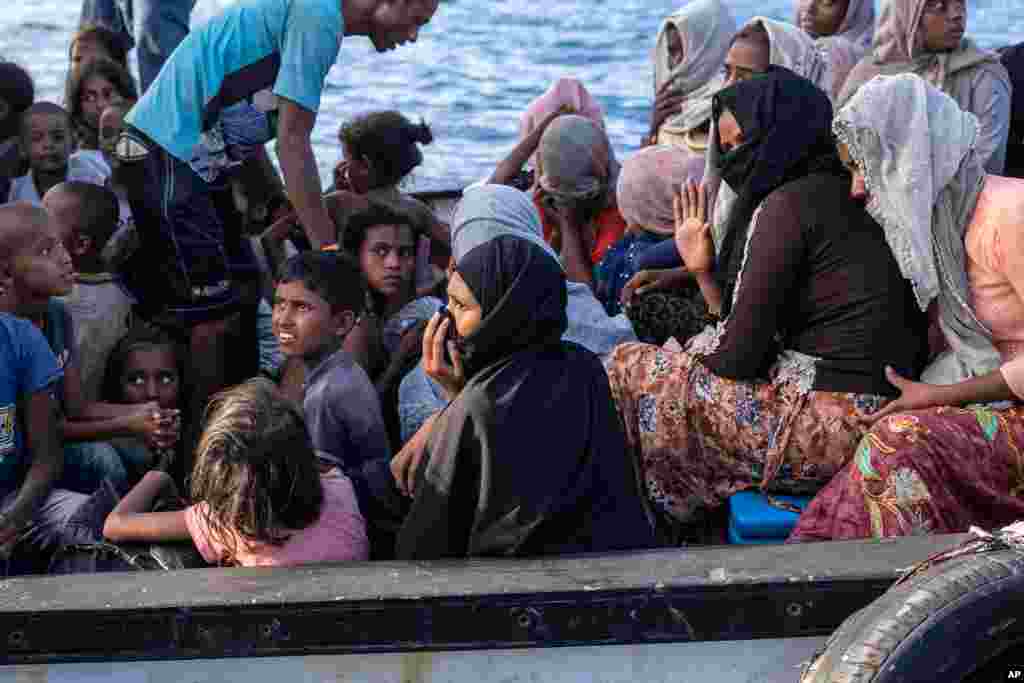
(995, 271)
(338, 535)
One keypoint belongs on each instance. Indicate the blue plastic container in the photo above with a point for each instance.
(752, 519)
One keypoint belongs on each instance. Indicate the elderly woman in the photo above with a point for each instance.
(488, 211)
(812, 304)
(948, 452)
(926, 37)
(494, 480)
(688, 58)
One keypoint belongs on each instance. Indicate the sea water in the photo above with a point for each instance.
(474, 69)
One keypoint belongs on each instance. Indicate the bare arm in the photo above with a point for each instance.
(575, 257)
(47, 463)
(131, 521)
(301, 177)
(511, 165)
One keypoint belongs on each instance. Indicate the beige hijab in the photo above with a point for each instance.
(858, 25)
(899, 48)
(705, 28)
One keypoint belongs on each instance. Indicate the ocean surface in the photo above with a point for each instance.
(474, 69)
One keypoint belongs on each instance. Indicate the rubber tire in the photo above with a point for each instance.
(939, 626)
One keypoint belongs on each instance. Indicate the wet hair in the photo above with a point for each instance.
(139, 337)
(98, 211)
(335, 278)
(388, 139)
(109, 40)
(18, 91)
(753, 33)
(255, 475)
(359, 224)
(104, 68)
(44, 108)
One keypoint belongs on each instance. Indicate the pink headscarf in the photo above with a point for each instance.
(566, 92)
(647, 183)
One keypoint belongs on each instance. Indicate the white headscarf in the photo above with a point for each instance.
(489, 211)
(705, 28)
(857, 27)
(916, 148)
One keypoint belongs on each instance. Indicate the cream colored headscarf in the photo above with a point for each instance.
(916, 148)
(705, 28)
(857, 27)
(899, 47)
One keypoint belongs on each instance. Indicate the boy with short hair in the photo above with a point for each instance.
(46, 143)
(40, 269)
(86, 216)
(317, 301)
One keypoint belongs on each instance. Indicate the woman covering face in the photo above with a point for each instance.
(479, 492)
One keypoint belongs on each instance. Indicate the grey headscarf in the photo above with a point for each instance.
(705, 28)
(489, 211)
(916, 148)
(575, 160)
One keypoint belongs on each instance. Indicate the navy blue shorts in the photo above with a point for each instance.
(185, 268)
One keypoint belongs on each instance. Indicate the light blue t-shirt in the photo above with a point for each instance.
(287, 46)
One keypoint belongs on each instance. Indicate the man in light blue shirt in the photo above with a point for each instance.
(256, 70)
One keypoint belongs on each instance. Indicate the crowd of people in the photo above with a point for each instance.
(804, 282)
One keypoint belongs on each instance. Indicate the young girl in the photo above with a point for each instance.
(97, 85)
(146, 366)
(259, 498)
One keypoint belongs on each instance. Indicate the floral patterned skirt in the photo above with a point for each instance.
(939, 470)
(700, 438)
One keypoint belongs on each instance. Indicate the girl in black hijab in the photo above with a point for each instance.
(812, 304)
(529, 457)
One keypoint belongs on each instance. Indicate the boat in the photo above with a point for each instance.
(724, 613)
(729, 614)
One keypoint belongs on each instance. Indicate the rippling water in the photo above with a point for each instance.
(474, 69)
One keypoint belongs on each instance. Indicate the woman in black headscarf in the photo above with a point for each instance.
(812, 306)
(529, 457)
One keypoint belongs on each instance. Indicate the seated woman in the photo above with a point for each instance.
(947, 453)
(646, 189)
(926, 37)
(688, 58)
(494, 479)
(380, 149)
(565, 96)
(485, 212)
(146, 366)
(259, 497)
(574, 189)
(813, 307)
(841, 29)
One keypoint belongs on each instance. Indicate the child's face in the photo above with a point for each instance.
(97, 94)
(43, 267)
(48, 142)
(62, 208)
(388, 258)
(303, 322)
(151, 374)
(111, 122)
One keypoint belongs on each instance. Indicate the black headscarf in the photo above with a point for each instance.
(522, 295)
(787, 133)
(530, 458)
